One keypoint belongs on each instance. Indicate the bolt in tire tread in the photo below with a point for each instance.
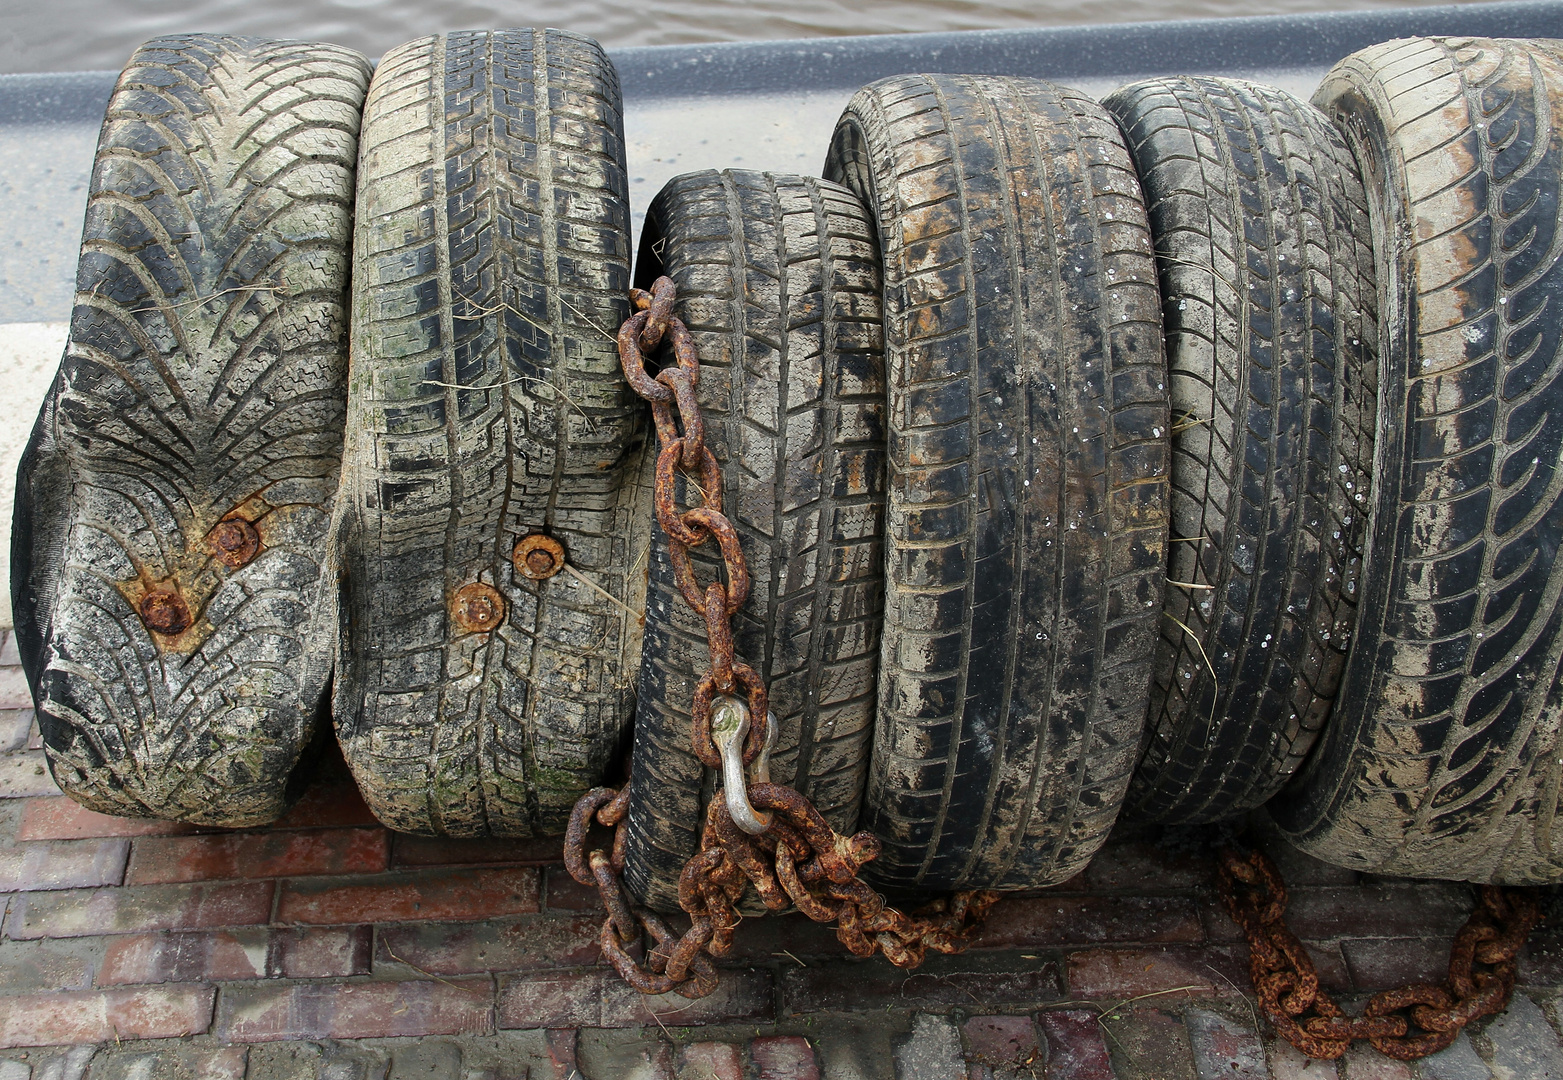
(1265, 255)
(1020, 304)
(204, 376)
(486, 404)
(778, 282)
(1442, 757)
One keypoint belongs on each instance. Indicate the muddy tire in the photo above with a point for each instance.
(173, 612)
(1266, 262)
(1442, 758)
(491, 264)
(1027, 519)
(778, 281)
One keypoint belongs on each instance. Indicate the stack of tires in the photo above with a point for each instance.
(1160, 458)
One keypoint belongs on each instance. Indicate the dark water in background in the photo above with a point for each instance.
(76, 35)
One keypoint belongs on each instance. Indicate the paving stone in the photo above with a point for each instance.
(454, 894)
(420, 851)
(709, 1061)
(1390, 962)
(427, 1061)
(314, 1061)
(14, 693)
(1148, 1042)
(1002, 1041)
(1289, 1063)
(1362, 1062)
(1076, 1049)
(783, 1057)
(257, 953)
(60, 818)
(994, 980)
(82, 912)
(1224, 1049)
(43, 964)
(16, 728)
(1043, 921)
(931, 1052)
(1523, 1043)
(466, 948)
(99, 1016)
(62, 864)
(1458, 1061)
(227, 856)
(71, 1065)
(10, 653)
(259, 1012)
(24, 775)
(175, 1063)
(15, 1070)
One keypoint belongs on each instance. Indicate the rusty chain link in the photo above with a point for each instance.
(780, 844)
(1405, 1023)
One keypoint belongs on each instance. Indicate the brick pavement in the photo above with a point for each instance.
(326, 947)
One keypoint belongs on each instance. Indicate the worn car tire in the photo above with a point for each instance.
(1442, 759)
(485, 404)
(1266, 263)
(778, 281)
(173, 609)
(1027, 521)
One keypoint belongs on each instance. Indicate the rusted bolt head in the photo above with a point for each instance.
(477, 608)
(234, 542)
(538, 557)
(165, 613)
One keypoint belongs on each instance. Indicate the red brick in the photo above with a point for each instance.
(230, 956)
(16, 729)
(456, 894)
(941, 983)
(783, 1057)
(471, 948)
(24, 774)
(414, 851)
(1075, 1047)
(59, 818)
(564, 893)
(333, 804)
(1087, 920)
(599, 998)
(562, 1046)
(83, 912)
(1141, 867)
(1380, 965)
(46, 965)
(709, 1061)
(62, 864)
(1117, 974)
(14, 693)
(103, 1015)
(227, 856)
(1002, 1041)
(262, 1012)
(1223, 1047)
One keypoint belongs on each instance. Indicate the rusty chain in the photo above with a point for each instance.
(1405, 1023)
(777, 842)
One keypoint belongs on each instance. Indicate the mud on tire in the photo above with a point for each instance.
(1027, 478)
(778, 281)
(1265, 256)
(172, 611)
(491, 269)
(1442, 758)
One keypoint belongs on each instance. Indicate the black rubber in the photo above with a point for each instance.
(778, 281)
(485, 404)
(1029, 454)
(1443, 757)
(1266, 262)
(201, 395)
